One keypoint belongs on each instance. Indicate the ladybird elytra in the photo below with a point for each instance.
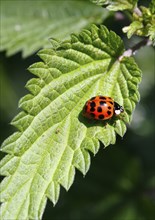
(101, 108)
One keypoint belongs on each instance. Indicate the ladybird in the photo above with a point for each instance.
(101, 108)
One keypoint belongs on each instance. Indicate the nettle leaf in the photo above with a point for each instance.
(53, 137)
(151, 29)
(143, 23)
(117, 4)
(27, 26)
(152, 7)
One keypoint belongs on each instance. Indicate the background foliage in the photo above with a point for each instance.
(120, 183)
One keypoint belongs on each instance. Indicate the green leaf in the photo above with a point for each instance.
(143, 23)
(151, 29)
(134, 27)
(117, 4)
(151, 34)
(53, 137)
(152, 7)
(27, 26)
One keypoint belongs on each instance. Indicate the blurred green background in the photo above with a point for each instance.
(120, 184)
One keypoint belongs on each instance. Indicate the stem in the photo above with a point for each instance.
(131, 51)
(138, 11)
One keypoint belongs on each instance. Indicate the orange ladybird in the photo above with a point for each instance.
(101, 108)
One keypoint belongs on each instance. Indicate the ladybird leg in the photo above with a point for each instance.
(105, 126)
(106, 123)
(121, 117)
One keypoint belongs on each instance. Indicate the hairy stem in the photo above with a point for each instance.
(131, 51)
(138, 11)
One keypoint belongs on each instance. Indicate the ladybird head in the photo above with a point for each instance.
(118, 109)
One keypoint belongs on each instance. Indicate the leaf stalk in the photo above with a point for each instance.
(131, 51)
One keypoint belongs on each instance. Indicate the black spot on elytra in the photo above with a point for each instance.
(109, 112)
(101, 116)
(93, 98)
(109, 107)
(102, 103)
(92, 109)
(99, 109)
(111, 103)
(102, 97)
(92, 104)
(92, 115)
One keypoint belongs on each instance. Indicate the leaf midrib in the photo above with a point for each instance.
(63, 77)
(35, 118)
